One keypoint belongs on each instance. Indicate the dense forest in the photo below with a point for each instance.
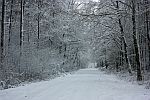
(40, 39)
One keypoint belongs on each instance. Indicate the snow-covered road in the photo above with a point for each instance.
(85, 84)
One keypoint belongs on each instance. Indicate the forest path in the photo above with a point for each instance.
(85, 84)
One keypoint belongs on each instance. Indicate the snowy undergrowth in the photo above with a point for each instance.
(59, 74)
(124, 75)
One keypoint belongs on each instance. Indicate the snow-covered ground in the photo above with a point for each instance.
(85, 84)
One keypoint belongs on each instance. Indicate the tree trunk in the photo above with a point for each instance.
(10, 24)
(124, 42)
(21, 22)
(21, 32)
(2, 36)
(39, 20)
(136, 48)
(147, 28)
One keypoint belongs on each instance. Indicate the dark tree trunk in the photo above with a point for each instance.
(39, 20)
(136, 48)
(21, 22)
(10, 24)
(124, 43)
(21, 33)
(2, 36)
(147, 27)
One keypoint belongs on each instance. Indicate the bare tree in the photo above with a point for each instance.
(2, 36)
(124, 41)
(136, 45)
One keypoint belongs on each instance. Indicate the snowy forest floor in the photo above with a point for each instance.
(85, 84)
